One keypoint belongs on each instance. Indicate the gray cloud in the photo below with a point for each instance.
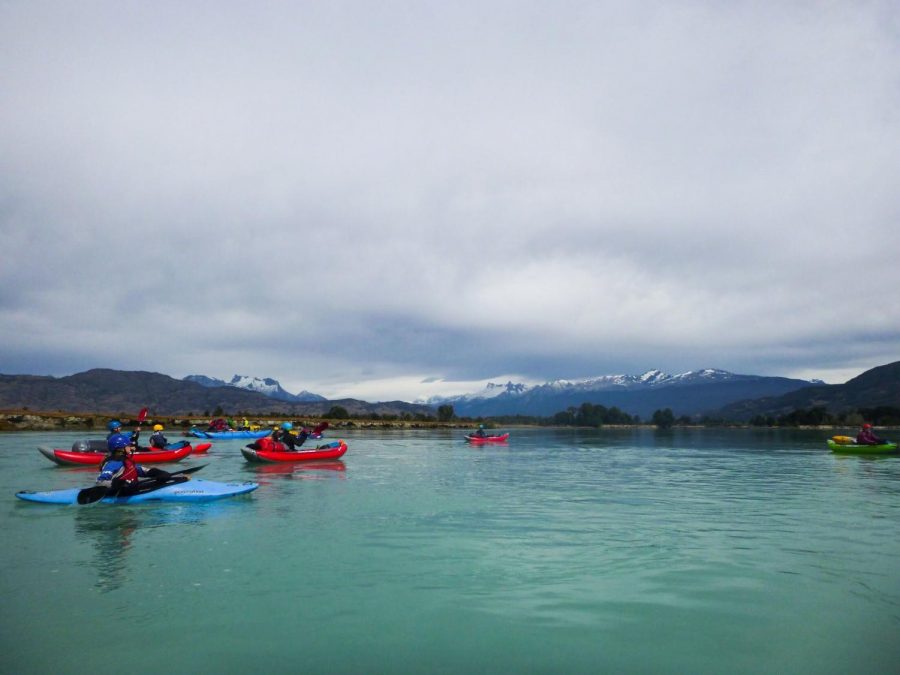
(341, 194)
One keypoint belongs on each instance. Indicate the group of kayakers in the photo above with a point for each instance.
(157, 441)
(222, 424)
(121, 473)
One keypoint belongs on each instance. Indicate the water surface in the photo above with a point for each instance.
(564, 551)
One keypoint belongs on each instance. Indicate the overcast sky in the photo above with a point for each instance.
(394, 199)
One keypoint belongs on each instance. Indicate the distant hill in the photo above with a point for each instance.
(691, 393)
(876, 387)
(266, 385)
(117, 391)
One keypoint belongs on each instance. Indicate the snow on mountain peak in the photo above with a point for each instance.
(263, 385)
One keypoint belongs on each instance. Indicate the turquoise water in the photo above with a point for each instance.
(563, 552)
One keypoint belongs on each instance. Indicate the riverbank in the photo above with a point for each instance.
(25, 420)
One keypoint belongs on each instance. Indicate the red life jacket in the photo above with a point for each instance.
(129, 470)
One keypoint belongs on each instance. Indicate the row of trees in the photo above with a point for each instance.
(595, 415)
(819, 416)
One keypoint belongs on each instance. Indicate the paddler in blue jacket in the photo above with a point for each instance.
(157, 440)
(120, 472)
(114, 427)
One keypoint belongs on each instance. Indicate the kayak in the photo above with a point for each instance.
(277, 452)
(856, 449)
(229, 434)
(172, 453)
(487, 439)
(188, 491)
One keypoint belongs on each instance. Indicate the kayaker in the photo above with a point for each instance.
(480, 433)
(294, 442)
(218, 424)
(157, 439)
(278, 432)
(867, 437)
(113, 427)
(120, 472)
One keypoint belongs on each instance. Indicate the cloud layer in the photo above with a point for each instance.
(355, 198)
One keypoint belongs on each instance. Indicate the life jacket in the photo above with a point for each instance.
(268, 444)
(123, 469)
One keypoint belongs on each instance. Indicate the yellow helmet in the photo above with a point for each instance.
(157, 427)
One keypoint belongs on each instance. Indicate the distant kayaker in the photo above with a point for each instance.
(480, 433)
(218, 424)
(120, 472)
(157, 440)
(867, 437)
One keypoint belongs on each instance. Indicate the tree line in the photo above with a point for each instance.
(596, 415)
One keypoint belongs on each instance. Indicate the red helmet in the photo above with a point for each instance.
(867, 426)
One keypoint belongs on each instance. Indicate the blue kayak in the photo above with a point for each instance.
(229, 434)
(189, 491)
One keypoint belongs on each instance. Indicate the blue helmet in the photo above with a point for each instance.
(287, 426)
(113, 425)
(118, 441)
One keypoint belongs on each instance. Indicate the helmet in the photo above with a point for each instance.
(867, 426)
(287, 426)
(113, 425)
(157, 427)
(481, 426)
(118, 441)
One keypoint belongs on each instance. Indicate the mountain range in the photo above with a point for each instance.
(692, 393)
(118, 391)
(712, 392)
(874, 388)
(266, 385)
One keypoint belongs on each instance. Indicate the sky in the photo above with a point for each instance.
(394, 200)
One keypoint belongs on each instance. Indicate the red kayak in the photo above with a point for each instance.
(487, 439)
(267, 450)
(70, 458)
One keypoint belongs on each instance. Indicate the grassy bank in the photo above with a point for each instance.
(25, 420)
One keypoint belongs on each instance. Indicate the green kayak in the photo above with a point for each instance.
(854, 449)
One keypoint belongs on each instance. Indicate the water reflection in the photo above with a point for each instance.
(113, 532)
(312, 470)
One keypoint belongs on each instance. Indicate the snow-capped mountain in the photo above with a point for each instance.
(266, 385)
(690, 393)
(491, 390)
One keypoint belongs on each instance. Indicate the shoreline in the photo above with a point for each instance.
(27, 420)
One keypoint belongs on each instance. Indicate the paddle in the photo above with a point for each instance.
(98, 492)
(142, 415)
